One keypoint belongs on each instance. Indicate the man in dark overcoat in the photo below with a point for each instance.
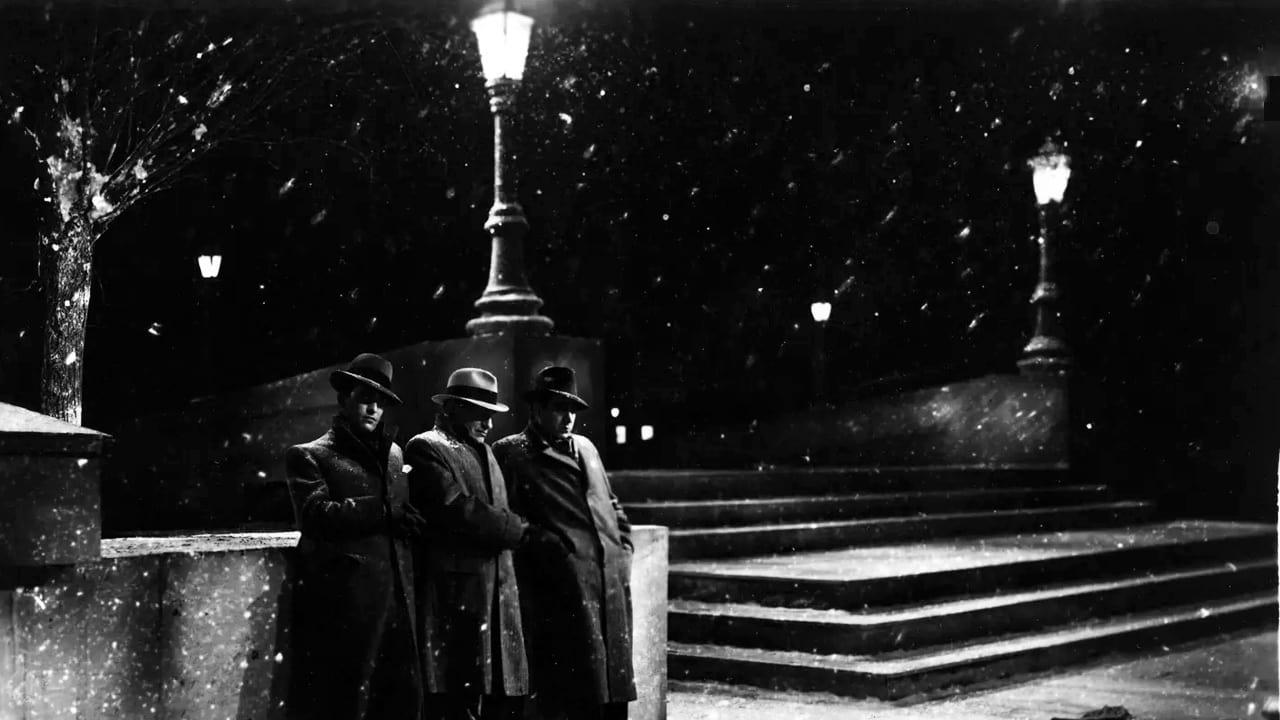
(576, 593)
(473, 643)
(353, 631)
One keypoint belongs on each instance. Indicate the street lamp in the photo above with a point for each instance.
(210, 265)
(821, 312)
(1047, 352)
(508, 305)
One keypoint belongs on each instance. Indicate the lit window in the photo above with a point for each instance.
(646, 432)
(620, 434)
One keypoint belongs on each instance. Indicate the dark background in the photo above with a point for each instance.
(695, 175)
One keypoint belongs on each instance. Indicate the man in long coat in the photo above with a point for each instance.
(353, 632)
(576, 593)
(473, 643)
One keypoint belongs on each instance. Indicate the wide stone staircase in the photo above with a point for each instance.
(892, 582)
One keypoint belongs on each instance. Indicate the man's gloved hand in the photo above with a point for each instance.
(406, 522)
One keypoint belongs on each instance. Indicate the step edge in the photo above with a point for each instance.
(717, 502)
(890, 669)
(854, 619)
(993, 514)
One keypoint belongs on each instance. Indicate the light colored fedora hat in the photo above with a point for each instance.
(472, 385)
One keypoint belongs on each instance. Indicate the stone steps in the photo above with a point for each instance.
(885, 630)
(747, 511)
(782, 538)
(933, 571)
(634, 486)
(985, 661)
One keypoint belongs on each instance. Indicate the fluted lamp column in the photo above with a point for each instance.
(1047, 352)
(508, 304)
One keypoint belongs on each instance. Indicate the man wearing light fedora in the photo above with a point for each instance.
(473, 643)
(353, 633)
(576, 593)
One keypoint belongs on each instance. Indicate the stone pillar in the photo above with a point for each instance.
(649, 621)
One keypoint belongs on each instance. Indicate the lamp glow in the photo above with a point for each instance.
(615, 412)
(504, 44)
(210, 266)
(1050, 171)
(646, 432)
(821, 311)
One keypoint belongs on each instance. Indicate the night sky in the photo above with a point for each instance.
(695, 175)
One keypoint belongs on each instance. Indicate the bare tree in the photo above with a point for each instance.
(120, 105)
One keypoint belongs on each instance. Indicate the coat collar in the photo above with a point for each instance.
(374, 453)
(540, 446)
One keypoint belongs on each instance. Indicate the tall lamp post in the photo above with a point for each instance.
(210, 264)
(821, 312)
(508, 304)
(1047, 352)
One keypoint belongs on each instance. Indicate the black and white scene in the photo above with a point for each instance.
(639, 359)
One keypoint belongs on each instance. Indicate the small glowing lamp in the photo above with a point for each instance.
(821, 311)
(1050, 171)
(503, 37)
(210, 266)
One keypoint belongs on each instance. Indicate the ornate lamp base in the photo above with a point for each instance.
(1045, 356)
(523, 325)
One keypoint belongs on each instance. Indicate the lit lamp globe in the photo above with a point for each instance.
(821, 311)
(1050, 172)
(210, 266)
(503, 37)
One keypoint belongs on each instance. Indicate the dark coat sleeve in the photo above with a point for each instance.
(442, 499)
(318, 512)
(624, 524)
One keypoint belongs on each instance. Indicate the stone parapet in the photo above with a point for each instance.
(197, 626)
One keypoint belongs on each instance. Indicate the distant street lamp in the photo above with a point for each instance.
(210, 265)
(821, 312)
(508, 305)
(1047, 352)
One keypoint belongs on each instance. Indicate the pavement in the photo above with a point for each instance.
(1223, 678)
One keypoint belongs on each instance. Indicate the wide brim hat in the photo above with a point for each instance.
(473, 386)
(369, 370)
(556, 383)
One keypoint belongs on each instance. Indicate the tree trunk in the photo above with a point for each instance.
(67, 261)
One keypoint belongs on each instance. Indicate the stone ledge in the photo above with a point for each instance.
(193, 544)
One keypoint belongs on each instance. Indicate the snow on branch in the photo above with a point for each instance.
(119, 105)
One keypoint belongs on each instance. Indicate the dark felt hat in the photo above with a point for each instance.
(369, 370)
(556, 383)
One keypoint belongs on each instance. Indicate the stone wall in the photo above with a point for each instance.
(198, 627)
(991, 420)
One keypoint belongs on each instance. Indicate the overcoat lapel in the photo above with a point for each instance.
(537, 444)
